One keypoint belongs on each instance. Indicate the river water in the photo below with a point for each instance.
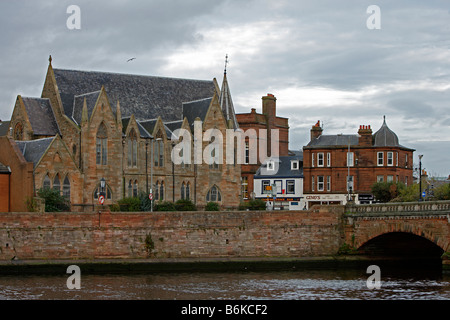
(307, 284)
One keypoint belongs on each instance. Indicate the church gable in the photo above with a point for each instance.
(214, 117)
(41, 116)
(20, 123)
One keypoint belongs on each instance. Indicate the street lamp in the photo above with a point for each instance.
(102, 186)
(420, 177)
(173, 175)
(151, 169)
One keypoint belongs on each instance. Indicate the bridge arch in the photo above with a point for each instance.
(399, 237)
(401, 244)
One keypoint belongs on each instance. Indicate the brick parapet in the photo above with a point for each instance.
(169, 234)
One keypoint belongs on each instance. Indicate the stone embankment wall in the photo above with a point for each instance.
(171, 234)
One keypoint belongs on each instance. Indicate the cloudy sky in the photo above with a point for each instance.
(319, 58)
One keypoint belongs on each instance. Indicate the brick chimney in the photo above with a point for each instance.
(365, 136)
(316, 131)
(269, 109)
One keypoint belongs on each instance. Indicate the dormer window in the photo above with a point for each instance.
(294, 165)
(271, 165)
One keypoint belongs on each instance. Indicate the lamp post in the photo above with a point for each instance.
(420, 177)
(173, 175)
(146, 165)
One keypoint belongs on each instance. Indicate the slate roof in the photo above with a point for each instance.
(78, 102)
(194, 109)
(149, 125)
(334, 140)
(385, 137)
(142, 131)
(284, 168)
(147, 97)
(33, 150)
(4, 127)
(42, 118)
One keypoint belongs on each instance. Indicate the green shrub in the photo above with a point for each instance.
(212, 206)
(164, 206)
(255, 204)
(185, 205)
(130, 204)
(54, 201)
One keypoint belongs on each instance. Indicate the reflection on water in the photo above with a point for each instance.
(284, 285)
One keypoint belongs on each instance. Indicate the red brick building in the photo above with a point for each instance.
(267, 120)
(17, 177)
(339, 166)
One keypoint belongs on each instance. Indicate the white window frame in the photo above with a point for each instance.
(320, 183)
(320, 159)
(294, 165)
(312, 183)
(390, 158)
(312, 159)
(328, 159)
(380, 158)
(350, 159)
(380, 178)
(328, 183)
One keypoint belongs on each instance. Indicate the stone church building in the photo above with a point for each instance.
(93, 127)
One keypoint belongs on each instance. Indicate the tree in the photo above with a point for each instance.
(54, 201)
(386, 191)
(442, 192)
(408, 194)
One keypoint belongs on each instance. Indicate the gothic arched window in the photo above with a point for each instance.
(183, 191)
(188, 191)
(161, 191)
(135, 189)
(102, 145)
(46, 184)
(18, 131)
(213, 195)
(66, 188)
(57, 183)
(132, 149)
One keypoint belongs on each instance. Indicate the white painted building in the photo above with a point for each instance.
(284, 176)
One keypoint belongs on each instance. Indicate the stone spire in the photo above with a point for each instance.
(226, 103)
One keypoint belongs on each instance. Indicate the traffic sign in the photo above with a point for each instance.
(101, 200)
(150, 196)
(424, 194)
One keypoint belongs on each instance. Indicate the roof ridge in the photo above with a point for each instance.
(85, 94)
(186, 102)
(130, 74)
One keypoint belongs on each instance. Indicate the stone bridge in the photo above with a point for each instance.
(399, 228)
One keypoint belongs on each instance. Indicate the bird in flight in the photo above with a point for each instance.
(130, 59)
